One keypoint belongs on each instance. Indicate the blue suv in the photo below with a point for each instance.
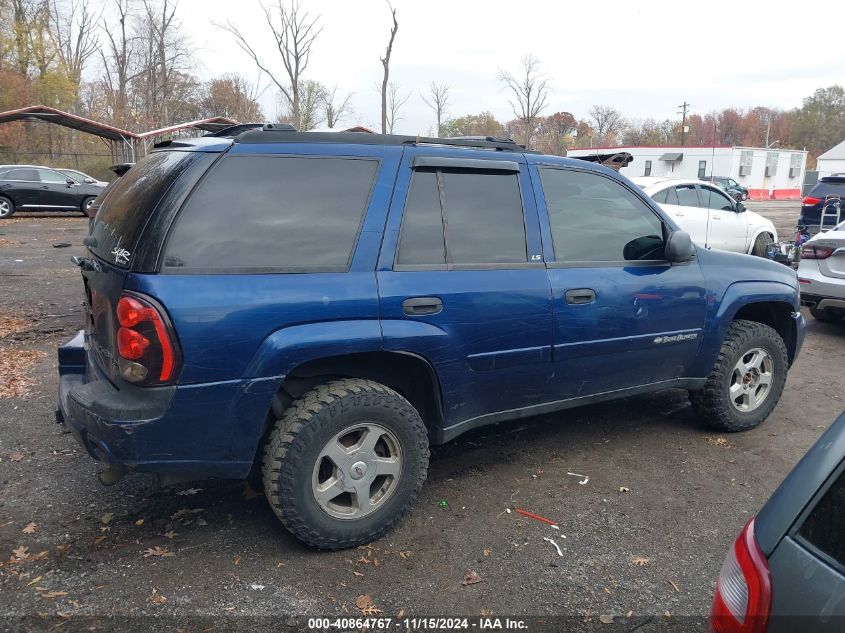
(319, 308)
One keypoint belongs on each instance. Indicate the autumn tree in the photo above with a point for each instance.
(438, 100)
(483, 124)
(294, 32)
(554, 133)
(820, 121)
(233, 97)
(607, 125)
(530, 91)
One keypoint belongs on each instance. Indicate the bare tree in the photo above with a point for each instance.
(385, 62)
(335, 108)
(530, 91)
(119, 61)
(74, 32)
(607, 122)
(438, 101)
(395, 102)
(294, 33)
(311, 110)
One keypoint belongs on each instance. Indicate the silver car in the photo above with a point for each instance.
(821, 274)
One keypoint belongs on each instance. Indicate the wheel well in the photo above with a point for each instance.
(410, 375)
(775, 314)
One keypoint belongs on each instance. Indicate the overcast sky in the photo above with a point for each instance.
(642, 57)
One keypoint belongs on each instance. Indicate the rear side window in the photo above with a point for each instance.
(272, 214)
(462, 217)
(28, 175)
(824, 528)
(130, 202)
(687, 196)
(595, 219)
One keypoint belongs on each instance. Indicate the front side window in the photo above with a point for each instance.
(595, 219)
(824, 528)
(716, 200)
(272, 214)
(462, 217)
(687, 196)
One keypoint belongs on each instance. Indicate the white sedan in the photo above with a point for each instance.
(710, 216)
(821, 274)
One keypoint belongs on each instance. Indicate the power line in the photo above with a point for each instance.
(684, 107)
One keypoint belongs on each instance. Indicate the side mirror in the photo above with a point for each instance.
(679, 247)
(90, 181)
(740, 208)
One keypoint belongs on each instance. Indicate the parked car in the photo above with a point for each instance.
(821, 274)
(731, 186)
(826, 194)
(119, 170)
(710, 216)
(786, 570)
(33, 188)
(320, 307)
(82, 177)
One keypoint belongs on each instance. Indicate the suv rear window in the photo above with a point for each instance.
(130, 202)
(828, 186)
(256, 214)
(824, 528)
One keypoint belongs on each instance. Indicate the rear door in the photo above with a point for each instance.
(462, 281)
(23, 186)
(624, 317)
(727, 229)
(683, 205)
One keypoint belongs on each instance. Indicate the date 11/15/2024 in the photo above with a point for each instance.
(417, 624)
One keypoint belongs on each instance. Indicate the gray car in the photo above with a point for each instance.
(786, 571)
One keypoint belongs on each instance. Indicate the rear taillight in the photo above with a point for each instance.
(809, 201)
(744, 591)
(811, 251)
(146, 345)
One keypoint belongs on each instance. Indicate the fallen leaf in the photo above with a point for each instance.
(30, 528)
(624, 489)
(640, 561)
(487, 552)
(139, 522)
(358, 573)
(184, 512)
(33, 581)
(106, 518)
(189, 491)
(629, 614)
(471, 577)
(156, 598)
(486, 612)
(606, 619)
(237, 560)
(406, 554)
(364, 560)
(53, 594)
(158, 551)
(401, 613)
(99, 539)
(249, 492)
(42, 555)
(170, 534)
(365, 604)
(62, 548)
(16, 457)
(21, 553)
(674, 586)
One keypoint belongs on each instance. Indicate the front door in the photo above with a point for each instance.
(728, 230)
(462, 282)
(624, 316)
(685, 208)
(56, 192)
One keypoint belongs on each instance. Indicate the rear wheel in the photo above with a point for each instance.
(344, 463)
(747, 380)
(761, 245)
(828, 316)
(7, 208)
(86, 205)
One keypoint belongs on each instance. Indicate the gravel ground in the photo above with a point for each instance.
(642, 540)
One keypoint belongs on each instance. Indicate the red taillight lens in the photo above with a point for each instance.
(743, 597)
(810, 201)
(815, 252)
(144, 342)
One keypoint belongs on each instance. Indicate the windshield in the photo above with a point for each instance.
(130, 202)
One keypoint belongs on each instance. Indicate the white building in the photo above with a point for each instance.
(832, 161)
(767, 173)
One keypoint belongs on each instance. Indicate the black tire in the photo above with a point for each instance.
(713, 403)
(737, 196)
(86, 202)
(761, 245)
(300, 435)
(827, 316)
(7, 208)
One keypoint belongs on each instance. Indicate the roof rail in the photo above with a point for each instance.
(234, 130)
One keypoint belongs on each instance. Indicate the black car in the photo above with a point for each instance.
(826, 193)
(31, 188)
(734, 189)
(786, 571)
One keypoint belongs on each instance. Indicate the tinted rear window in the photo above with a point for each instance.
(828, 188)
(272, 214)
(130, 202)
(824, 528)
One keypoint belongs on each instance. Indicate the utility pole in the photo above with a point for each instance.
(684, 107)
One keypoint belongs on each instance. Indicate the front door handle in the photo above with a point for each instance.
(580, 296)
(418, 306)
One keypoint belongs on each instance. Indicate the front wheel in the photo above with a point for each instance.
(7, 208)
(737, 196)
(344, 463)
(86, 205)
(761, 245)
(747, 381)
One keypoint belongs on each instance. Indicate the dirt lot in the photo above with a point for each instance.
(644, 536)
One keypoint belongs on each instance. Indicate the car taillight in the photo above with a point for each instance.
(811, 251)
(145, 342)
(809, 201)
(743, 597)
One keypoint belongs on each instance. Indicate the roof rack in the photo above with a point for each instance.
(234, 130)
(282, 133)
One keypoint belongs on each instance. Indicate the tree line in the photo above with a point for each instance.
(128, 63)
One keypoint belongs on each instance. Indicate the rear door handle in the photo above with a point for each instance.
(580, 296)
(417, 306)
